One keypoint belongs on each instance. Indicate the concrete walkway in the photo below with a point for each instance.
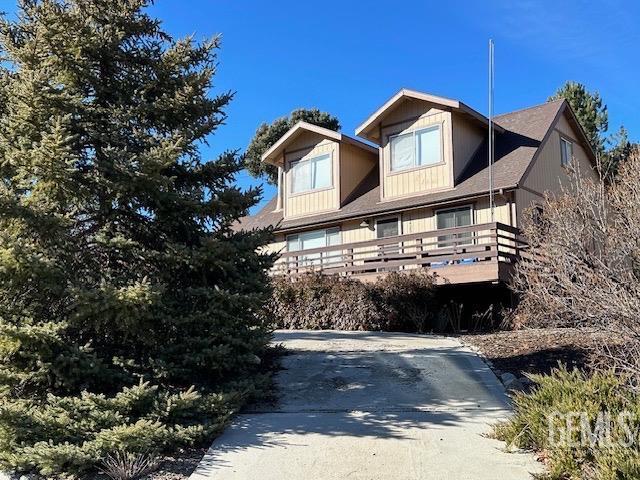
(371, 406)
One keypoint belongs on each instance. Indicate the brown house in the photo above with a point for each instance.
(419, 197)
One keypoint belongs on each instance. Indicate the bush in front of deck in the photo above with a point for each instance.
(397, 302)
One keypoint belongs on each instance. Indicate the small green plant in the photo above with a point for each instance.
(128, 466)
(540, 423)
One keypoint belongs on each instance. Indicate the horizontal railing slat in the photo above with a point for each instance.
(483, 242)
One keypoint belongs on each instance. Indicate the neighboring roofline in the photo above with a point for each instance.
(280, 145)
(406, 93)
(391, 210)
(564, 107)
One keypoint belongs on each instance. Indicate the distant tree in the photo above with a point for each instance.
(620, 149)
(590, 110)
(268, 134)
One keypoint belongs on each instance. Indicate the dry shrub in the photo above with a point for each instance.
(396, 302)
(583, 267)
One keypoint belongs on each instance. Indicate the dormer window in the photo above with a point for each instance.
(416, 149)
(311, 174)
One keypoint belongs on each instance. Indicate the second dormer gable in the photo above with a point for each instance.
(425, 142)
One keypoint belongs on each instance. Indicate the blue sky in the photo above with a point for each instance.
(348, 57)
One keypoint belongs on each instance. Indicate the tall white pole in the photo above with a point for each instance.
(491, 137)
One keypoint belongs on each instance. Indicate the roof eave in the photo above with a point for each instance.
(391, 210)
(364, 130)
(271, 155)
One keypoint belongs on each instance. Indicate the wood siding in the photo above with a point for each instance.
(277, 246)
(355, 165)
(300, 204)
(418, 220)
(467, 137)
(407, 117)
(547, 173)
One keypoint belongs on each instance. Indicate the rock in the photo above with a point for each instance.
(507, 378)
(511, 382)
(514, 386)
(527, 382)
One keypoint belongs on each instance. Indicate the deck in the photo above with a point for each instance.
(461, 255)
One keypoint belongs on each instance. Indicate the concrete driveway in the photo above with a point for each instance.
(369, 406)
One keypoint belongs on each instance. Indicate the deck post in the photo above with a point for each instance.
(349, 259)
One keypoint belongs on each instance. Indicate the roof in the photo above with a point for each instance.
(274, 154)
(515, 150)
(367, 128)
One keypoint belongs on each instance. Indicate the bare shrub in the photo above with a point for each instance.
(583, 267)
(396, 302)
(128, 466)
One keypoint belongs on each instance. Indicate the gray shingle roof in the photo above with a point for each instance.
(514, 151)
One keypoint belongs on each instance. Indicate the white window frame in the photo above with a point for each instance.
(314, 259)
(413, 133)
(293, 163)
(325, 230)
(472, 215)
(388, 217)
(565, 162)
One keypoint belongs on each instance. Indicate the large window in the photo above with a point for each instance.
(566, 152)
(416, 149)
(309, 240)
(454, 217)
(311, 174)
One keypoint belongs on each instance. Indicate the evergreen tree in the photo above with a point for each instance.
(619, 151)
(268, 134)
(590, 110)
(118, 264)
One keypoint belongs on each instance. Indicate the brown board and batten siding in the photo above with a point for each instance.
(355, 164)
(467, 138)
(305, 203)
(409, 116)
(528, 164)
(547, 174)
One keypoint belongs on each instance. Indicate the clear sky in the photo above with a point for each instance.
(348, 57)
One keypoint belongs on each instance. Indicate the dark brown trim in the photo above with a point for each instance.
(530, 190)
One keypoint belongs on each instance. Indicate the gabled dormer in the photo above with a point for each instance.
(425, 142)
(318, 169)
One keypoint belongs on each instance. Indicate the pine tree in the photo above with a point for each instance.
(269, 133)
(620, 149)
(118, 263)
(590, 110)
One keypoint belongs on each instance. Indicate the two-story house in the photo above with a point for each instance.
(414, 192)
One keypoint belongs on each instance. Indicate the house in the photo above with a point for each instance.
(411, 189)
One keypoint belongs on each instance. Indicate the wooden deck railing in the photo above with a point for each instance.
(488, 242)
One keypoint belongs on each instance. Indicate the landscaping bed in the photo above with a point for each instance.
(536, 350)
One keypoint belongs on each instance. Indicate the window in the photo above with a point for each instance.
(455, 217)
(416, 149)
(566, 152)
(387, 227)
(315, 239)
(311, 174)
